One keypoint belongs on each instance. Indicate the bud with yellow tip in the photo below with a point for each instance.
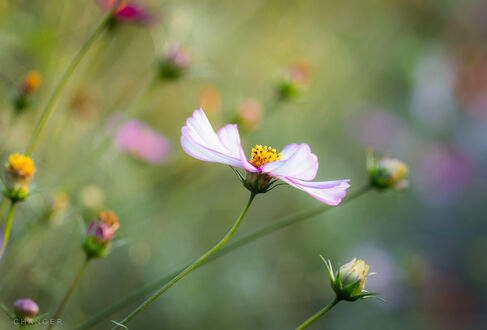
(19, 172)
(31, 82)
(387, 173)
(349, 282)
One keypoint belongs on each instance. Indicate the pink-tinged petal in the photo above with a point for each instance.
(328, 192)
(297, 162)
(141, 141)
(199, 140)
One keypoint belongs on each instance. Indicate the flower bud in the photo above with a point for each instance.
(25, 310)
(31, 82)
(175, 63)
(295, 80)
(349, 282)
(128, 12)
(100, 234)
(249, 114)
(387, 173)
(19, 172)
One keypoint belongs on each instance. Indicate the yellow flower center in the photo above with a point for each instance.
(262, 155)
(21, 166)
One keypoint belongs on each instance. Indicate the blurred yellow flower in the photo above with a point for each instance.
(32, 81)
(20, 166)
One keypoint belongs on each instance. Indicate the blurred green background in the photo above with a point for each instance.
(407, 78)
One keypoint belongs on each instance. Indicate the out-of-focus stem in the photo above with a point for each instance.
(8, 226)
(67, 295)
(3, 206)
(188, 269)
(288, 221)
(51, 103)
(319, 314)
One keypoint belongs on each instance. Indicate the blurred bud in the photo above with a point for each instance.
(31, 82)
(175, 62)
(210, 99)
(249, 114)
(25, 310)
(349, 282)
(19, 172)
(84, 104)
(387, 173)
(294, 81)
(128, 12)
(100, 234)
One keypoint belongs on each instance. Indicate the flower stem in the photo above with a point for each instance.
(68, 294)
(288, 221)
(322, 312)
(3, 206)
(188, 269)
(8, 226)
(62, 84)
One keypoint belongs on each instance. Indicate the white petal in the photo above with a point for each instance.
(297, 162)
(328, 192)
(199, 140)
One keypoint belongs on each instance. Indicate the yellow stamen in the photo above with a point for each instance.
(262, 155)
(20, 166)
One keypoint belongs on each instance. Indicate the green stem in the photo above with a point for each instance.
(190, 268)
(288, 221)
(67, 295)
(8, 226)
(3, 206)
(322, 312)
(62, 84)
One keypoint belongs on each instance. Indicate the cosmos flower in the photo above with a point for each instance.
(129, 12)
(142, 142)
(296, 165)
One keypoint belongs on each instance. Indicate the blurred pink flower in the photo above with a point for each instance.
(296, 165)
(129, 11)
(100, 231)
(142, 142)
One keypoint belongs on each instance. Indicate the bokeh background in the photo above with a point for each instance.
(407, 78)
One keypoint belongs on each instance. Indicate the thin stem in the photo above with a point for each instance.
(8, 226)
(288, 221)
(62, 84)
(68, 294)
(322, 312)
(3, 206)
(188, 269)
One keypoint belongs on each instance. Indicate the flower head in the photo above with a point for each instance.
(295, 80)
(249, 114)
(32, 81)
(129, 12)
(142, 142)
(25, 310)
(387, 173)
(295, 165)
(349, 282)
(19, 172)
(100, 234)
(174, 64)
